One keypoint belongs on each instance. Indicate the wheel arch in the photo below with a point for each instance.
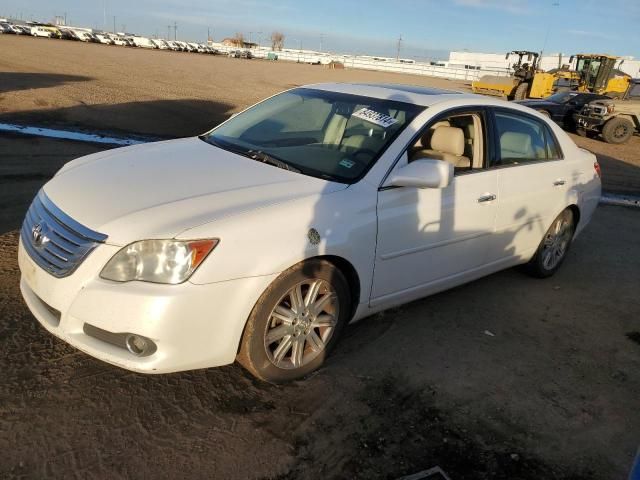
(350, 273)
(341, 263)
(576, 213)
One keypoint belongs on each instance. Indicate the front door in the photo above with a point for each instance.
(429, 237)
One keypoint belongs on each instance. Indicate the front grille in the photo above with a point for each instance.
(55, 241)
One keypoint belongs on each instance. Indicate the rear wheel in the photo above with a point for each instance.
(554, 246)
(296, 322)
(521, 91)
(617, 130)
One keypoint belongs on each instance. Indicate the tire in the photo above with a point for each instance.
(617, 130)
(521, 91)
(284, 339)
(554, 246)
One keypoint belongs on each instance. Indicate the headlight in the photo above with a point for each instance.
(158, 261)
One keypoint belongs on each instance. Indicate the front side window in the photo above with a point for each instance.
(524, 139)
(457, 138)
(329, 135)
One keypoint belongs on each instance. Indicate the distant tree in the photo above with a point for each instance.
(238, 40)
(277, 41)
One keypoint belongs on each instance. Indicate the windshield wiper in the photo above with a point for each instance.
(270, 160)
(258, 155)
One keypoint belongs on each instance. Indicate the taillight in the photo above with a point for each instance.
(596, 167)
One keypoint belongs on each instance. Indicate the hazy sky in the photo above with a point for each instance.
(429, 28)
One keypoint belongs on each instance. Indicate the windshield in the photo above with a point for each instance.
(324, 134)
(562, 97)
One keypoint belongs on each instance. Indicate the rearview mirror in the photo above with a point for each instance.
(423, 173)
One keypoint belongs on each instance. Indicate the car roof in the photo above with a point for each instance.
(414, 94)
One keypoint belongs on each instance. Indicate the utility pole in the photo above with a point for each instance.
(168, 32)
(321, 37)
(208, 34)
(114, 24)
(555, 3)
(175, 31)
(399, 46)
(104, 15)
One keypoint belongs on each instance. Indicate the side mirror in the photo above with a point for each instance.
(423, 173)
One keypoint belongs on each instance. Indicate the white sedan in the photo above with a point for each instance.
(259, 240)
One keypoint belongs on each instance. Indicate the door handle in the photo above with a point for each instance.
(559, 182)
(486, 198)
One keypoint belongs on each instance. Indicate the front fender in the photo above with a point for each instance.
(269, 240)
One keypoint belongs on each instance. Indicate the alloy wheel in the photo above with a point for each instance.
(557, 241)
(301, 324)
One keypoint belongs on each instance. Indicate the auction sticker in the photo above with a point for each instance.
(377, 118)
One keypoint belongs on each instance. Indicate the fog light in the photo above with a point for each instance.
(138, 345)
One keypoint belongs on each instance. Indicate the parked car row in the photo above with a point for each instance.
(120, 39)
(240, 54)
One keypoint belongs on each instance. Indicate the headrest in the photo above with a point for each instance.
(516, 143)
(448, 140)
(425, 140)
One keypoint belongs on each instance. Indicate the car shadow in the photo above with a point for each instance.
(13, 81)
(156, 118)
(29, 162)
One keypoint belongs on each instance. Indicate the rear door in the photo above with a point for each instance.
(532, 182)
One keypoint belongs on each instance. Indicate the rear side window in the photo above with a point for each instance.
(524, 139)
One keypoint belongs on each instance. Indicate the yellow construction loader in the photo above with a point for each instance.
(594, 73)
(597, 74)
(527, 80)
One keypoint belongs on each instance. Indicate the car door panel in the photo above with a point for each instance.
(529, 198)
(428, 235)
(531, 188)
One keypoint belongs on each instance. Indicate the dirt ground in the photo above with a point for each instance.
(504, 378)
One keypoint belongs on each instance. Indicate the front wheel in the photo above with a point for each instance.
(296, 322)
(554, 246)
(617, 130)
(521, 92)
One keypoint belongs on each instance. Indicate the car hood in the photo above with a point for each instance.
(536, 103)
(158, 190)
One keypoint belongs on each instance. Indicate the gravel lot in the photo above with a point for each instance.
(553, 394)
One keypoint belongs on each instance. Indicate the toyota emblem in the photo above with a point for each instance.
(39, 235)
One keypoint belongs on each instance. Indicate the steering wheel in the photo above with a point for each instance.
(363, 151)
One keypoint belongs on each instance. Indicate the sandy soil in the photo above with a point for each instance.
(155, 92)
(553, 394)
(172, 94)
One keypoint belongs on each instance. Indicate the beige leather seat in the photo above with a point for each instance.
(447, 143)
(519, 145)
(335, 130)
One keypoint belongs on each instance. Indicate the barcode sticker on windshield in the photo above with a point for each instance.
(385, 121)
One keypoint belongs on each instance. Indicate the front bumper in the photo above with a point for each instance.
(193, 326)
(587, 122)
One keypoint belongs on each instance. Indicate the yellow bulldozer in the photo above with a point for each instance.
(526, 81)
(594, 73)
